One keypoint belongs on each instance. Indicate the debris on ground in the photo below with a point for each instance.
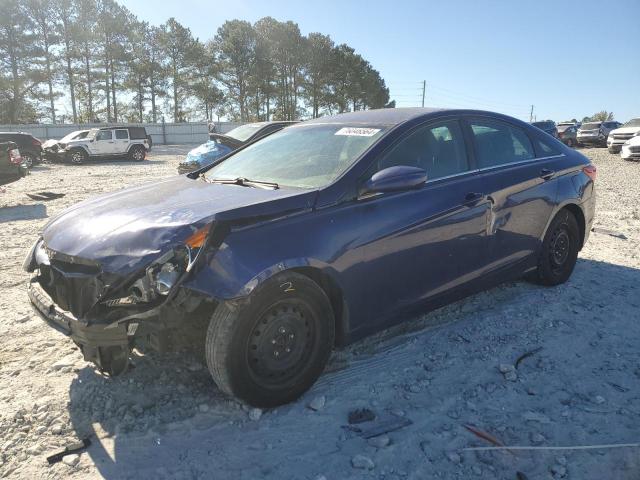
(360, 415)
(526, 355)
(45, 196)
(611, 233)
(70, 449)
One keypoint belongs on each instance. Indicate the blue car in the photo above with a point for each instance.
(314, 237)
(221, 144)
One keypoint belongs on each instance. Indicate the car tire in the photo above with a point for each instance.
(559, 251)
(27, 159)
(270, 349)
(77, 156)
(137, 153)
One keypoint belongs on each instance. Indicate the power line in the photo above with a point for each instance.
(475, 97)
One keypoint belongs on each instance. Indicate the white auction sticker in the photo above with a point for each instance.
(357, 132)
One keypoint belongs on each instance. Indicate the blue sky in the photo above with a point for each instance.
(567, 58)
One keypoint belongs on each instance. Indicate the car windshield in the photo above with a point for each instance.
(562, 128)
(306, 156)
(633, 123)
(243, 132)
(590, 126)
(73, 135)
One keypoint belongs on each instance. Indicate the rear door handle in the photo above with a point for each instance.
(472, 198)
(546, 174)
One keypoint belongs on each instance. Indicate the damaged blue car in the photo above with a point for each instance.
(220, 144)
(311, 238)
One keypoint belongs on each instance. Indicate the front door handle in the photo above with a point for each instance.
(546, 174)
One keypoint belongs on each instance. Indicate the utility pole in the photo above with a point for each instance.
(424, 88)
(531, 115)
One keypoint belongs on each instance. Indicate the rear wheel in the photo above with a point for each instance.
(559, 250)
(137, 153)
(271, 349)
(571, 143)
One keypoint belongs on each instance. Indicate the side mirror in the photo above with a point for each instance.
(395, 179)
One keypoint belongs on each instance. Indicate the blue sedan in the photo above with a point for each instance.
(314, 237)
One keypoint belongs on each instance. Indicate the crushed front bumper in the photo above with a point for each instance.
(93, 340)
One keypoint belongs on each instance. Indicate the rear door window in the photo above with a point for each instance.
(437, 148)
(122, 135)
(498, 143)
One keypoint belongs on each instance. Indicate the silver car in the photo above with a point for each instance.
(595, 133)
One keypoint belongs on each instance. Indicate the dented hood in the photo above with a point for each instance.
(125, 230)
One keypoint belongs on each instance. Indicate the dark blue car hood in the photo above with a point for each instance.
(125, 230)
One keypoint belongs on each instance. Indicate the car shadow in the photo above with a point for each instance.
(150, 420)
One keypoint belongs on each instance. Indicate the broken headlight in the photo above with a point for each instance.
(167, 273)
(162, 275)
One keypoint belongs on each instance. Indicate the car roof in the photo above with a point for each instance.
(391, 117)
(382, 116)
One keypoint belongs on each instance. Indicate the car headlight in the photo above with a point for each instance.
(165, 272)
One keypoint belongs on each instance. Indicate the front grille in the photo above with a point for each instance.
(622, 136)
(74, 287)
(634, 149)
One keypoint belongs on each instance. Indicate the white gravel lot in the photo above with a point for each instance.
(166, 419)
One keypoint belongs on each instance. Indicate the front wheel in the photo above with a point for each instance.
(78, 156)
(270, 349)
(559, 250)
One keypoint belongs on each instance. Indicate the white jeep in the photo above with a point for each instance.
(107, 142)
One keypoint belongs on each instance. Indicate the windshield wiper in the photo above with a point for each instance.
(243, 182)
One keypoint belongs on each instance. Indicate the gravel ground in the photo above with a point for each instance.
(454, 366)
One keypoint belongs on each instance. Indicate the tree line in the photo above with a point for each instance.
(94, 61)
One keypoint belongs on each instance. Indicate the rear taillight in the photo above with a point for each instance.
(14, 156)
(590, 171)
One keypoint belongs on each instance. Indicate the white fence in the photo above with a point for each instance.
(161, 133)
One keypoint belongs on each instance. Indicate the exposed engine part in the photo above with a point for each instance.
(166, 278)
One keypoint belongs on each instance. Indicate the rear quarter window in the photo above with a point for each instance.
(545, 149)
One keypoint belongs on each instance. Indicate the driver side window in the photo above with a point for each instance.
(437, 148)
(104, 135)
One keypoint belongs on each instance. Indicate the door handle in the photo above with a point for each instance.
(546, 174)
(473, 197)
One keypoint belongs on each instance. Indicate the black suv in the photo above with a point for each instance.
(548, 126)
(30, 147)
(12, 166)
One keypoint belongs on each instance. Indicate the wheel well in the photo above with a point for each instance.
(579, 216)
(334, 293)
(135, 145)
